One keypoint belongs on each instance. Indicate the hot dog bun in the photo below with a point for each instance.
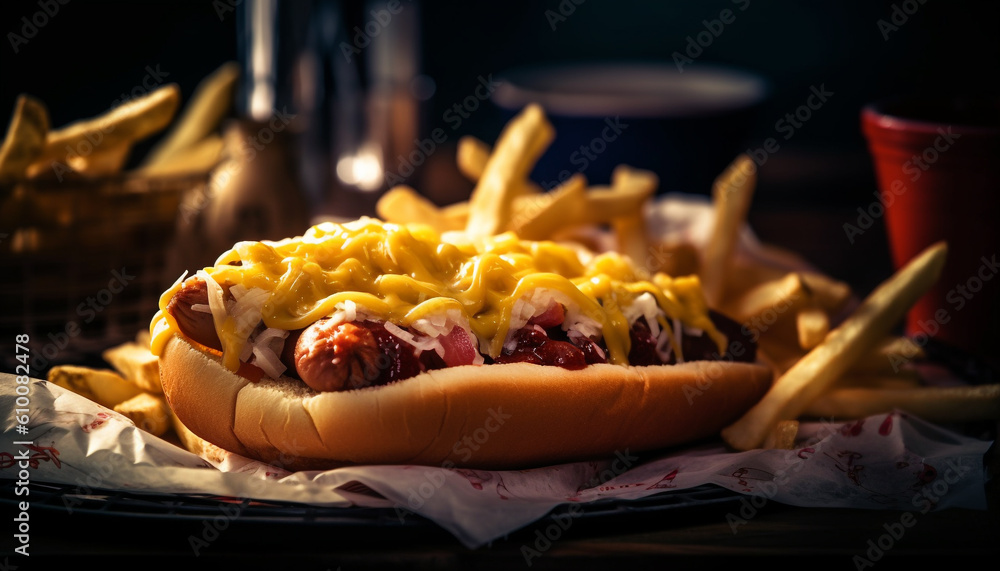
(508, 416)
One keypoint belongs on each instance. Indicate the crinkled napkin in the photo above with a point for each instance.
(891, 461)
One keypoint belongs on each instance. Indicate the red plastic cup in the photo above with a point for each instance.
(937, 160)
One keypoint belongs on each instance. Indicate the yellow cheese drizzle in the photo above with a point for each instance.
(402, 273)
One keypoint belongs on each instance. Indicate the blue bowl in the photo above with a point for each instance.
(684, 126)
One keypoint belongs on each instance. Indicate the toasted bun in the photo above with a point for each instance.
(491, 416)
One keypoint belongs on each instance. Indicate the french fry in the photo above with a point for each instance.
(813, 324)
(209, 104)
(783, 435)
(553, 211)
(403, 205)
(782, 297)
(792, 392)
(779, 349)
(630, 229)
(136, 363)
(118, 128)
(148, 412)
(890, 355)
(933, 404)
(522, 141)
(830, 294)
(472, 156)
(105, 387)
(906, 378)
(602, 205)
(745, 276)
(731, 195)
(25, 138)
(199, 157)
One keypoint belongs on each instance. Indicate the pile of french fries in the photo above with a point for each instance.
(826, 365)
(101, 145)
(130, 387)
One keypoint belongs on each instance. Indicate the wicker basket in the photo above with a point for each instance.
(84, 263)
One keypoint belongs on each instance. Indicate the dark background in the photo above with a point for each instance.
(90, 52)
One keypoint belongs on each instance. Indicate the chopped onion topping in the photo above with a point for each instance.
(202, 307)
(266, 349)
(663, 345)
(347, 311)
(216, 301)
(645, 305)
(538, 302)
(420, 343)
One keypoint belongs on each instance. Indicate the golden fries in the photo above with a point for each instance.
(769, 301)
(934, 404)
(521, 143)
(829, 294)
(25, 138)
(211, 101)
(889, 356)
(403, 205)
(844, 346)
(731, 199)
(98, 145)
(813, 324)
(783, 435)
(553, 210)
(906, 378)
(105, 387)
(630, 228)
(472, 157)
(200, 157)
(148, 412)
(137, 363)
(132, 389)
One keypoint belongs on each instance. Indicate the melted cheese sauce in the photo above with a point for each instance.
(403, 273)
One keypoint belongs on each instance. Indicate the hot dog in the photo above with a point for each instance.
(389, 326)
